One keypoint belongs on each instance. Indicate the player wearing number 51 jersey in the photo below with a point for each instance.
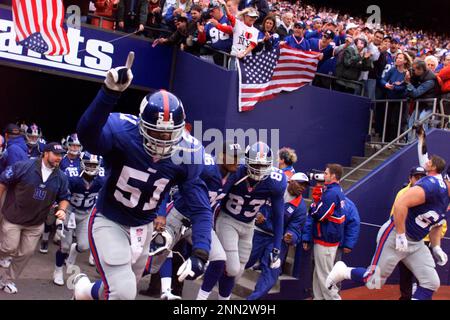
(144, 157)
(252, 186)
(421, 210)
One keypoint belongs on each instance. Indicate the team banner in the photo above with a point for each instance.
(263, 75)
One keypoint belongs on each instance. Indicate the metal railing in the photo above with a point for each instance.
(226, 55)
(333, 80)
(101, 19)
(446, 118)
(401, 104)
(391, 144)
(330, 82)
(147, 28)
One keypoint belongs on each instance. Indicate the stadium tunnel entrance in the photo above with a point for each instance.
(54, 102)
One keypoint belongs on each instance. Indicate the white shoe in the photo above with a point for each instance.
(6, 262)
(8, 287)
(70, 261)
(414, 288)
(337, 274)
(91, 260)
(168, 295)
(58, 276)
(82, 287)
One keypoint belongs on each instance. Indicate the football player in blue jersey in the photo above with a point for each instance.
(294, 218)
(254, 183)
(71, 162)
(35, 142)
(84, 190)
(421, 210)
(144, 157)
(182, 224)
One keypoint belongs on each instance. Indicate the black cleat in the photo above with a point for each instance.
(44, 247)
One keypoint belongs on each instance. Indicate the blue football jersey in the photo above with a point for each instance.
(70, 167)
(243, 200)
(327, 51)
(84, 194)
(35, 151)
(136, 183)
(214, 181)
(300, 44)
(421, 218)
(217, 39)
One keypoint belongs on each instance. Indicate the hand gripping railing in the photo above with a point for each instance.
(403, 103)
(333, 81)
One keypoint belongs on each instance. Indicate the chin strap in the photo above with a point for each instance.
(242, 180)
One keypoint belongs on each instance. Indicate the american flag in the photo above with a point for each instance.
(39, 26)
(263, 75)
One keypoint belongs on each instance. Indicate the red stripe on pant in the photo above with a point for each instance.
(379, 250)
(147, 265)
(95, 254)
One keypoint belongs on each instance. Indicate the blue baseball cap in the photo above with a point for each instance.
(12, 128)
(54, 147)
(300, 24)
(417, 171)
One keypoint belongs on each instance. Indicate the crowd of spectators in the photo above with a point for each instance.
(382, 61)
(352, 49)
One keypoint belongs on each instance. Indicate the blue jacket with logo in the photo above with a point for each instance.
(325, 223)
(28, 198)
(294, 218)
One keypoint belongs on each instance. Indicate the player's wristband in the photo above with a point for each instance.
(201, 254)
(111, 92)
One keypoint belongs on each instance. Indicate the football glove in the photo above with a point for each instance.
(119, 79)
(440, 255)
(60, 228)
(193, 267)
(275, 261)
(401, 243)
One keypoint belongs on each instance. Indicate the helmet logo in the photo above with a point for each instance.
(261, 156)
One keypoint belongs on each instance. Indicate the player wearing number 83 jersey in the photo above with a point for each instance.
(253, 185)
(139, 155)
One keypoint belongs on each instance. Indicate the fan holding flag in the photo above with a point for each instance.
(264, 75)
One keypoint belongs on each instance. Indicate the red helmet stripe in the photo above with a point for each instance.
(166, 105)
(261, 150)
